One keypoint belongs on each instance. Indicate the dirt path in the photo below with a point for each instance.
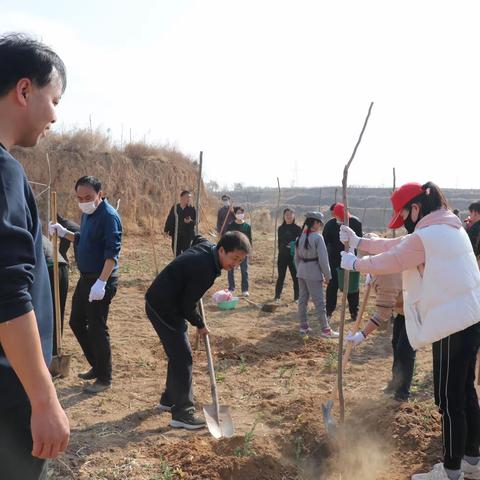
(274, 381)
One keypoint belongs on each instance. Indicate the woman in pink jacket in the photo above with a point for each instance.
(441, 287)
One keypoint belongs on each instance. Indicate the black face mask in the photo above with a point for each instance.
(409, 224)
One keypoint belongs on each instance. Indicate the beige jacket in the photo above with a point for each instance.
(388, 291)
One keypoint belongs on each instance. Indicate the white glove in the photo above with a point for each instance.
(348, 235)
(56, 228)
(97, 292)
(355, 338)
(348, 260)
(368, 279)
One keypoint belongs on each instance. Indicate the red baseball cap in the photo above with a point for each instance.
(400, 197)
(339, 211)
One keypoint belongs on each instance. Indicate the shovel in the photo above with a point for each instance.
(219, 421)
(60, 365)
(330, 425)
(266, 307)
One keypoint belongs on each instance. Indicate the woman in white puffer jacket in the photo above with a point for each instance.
(441, 289)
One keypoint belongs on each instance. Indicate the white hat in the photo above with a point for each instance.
(315, 215)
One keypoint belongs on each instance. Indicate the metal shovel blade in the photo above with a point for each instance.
(330, 425)
(60, 366)
(224, 426)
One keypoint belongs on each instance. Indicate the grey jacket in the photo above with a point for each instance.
(312, 270)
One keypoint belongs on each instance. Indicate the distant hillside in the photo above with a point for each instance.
(371, 205)
(145, 179)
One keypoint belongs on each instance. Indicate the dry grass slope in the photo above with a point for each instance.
(146, 178)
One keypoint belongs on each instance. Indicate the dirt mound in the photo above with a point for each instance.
(202, 459)
(279, 345)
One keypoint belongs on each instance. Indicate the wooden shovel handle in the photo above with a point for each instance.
(356, 326)
(211, 370)
(56, 276)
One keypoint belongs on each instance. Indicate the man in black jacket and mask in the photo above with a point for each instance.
(187, 217)
(331, 232)
(172, 300)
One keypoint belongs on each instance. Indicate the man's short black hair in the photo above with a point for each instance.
(23, 57)
(231, 241)
(332, 206)
(185, 192)
(474, 207)
(226, 197)
(238, 208)
(88, 180)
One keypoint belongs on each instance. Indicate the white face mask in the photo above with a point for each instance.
(226, 203)
(87, 207)
(339, 222)
(240, 216)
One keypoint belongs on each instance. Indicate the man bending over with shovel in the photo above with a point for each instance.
(172, 300)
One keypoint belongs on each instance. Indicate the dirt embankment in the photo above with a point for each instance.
(146, 180)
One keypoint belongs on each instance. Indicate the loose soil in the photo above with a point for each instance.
(274, 380)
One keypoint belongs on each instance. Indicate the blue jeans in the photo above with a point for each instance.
(244, 271)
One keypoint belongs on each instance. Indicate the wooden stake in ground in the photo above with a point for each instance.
(152, 238)
(341, 400)
(60, 365)
(199, 183)
(199, 186)
(276, 223)
(175, 213)
(394, 186)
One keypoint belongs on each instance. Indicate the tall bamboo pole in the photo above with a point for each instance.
(276, 224)
(341, 399)
(199, 186)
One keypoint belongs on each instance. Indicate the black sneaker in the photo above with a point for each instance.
(390, 388)
(97, 387)
(88, 375)
(187, 420)
(401, 397)
(164, 406)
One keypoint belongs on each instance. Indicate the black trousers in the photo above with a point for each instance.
(403, 358)
(63, 280)
(183, 243)
(16, 461)
(332, 289)
(88, 322)
(285, 260)
(178, 387)
(454, 387)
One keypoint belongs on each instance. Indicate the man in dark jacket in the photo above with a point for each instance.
(474, 227)
(64, 244)
(334, 247)
(33, 425)
(172, 300)
(187, 216)
(225, 215)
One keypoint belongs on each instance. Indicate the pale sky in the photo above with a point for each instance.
(271, 88)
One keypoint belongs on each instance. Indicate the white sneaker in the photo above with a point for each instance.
(437, 473)
(471, 472)
(245, 294)
(329, 333)
(304, 329)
